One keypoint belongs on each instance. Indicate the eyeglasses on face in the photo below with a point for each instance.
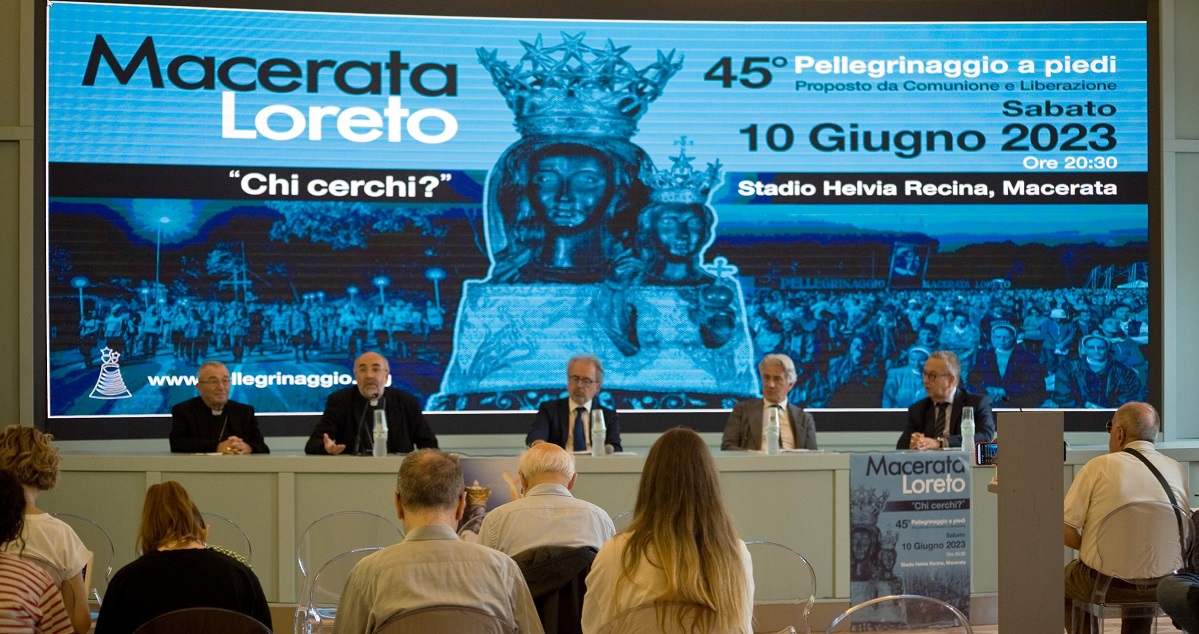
(581, 380)
(1108, 426)
(215, 382)
(933, 376)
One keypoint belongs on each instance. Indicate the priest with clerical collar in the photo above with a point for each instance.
(210, 422)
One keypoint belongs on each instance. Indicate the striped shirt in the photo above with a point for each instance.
(29, 600)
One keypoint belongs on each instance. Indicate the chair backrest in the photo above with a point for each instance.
(338, 533)
(905, 612)
(99, 543)
(324, 592)
(622, 521)
(203, 621)
(225, 533)
(445, 618)
(1141, 536)
(782, 576)
(664, 617)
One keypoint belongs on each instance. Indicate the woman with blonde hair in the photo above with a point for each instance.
(177, 570)
(680, 547)
(27, 454)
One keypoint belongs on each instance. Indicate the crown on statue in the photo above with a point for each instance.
(865, 505)
(573, 88)
(889, 539)
(682, 183)
(477, 495)
(108, 355)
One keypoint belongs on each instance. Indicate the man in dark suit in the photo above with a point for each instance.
(797, 428)
(562, 420)
(211, 422)
(348, 421)
(936, 420)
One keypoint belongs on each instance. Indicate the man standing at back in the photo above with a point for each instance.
(1104, 484)
(432, 567)
(561, 421)
(547, 515)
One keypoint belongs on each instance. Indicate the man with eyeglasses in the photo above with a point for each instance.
(561, 421)
(211, 423)
(936, 420)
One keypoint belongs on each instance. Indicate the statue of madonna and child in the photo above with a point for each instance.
(594, 250)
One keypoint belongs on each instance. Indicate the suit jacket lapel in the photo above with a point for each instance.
(757, 426)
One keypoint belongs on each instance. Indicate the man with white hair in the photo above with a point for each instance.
(547, 514)
(745, 427)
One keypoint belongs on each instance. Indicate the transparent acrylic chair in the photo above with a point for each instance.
(919, 614)
(445, 618)
(99, 543)
(622, 521)
(333, 535)
(663, 617)
(225, 533)
(318, 609)
(202, 621)
(1135, 538)
(782, 577)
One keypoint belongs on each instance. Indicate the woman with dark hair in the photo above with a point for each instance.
(29, 599)
(177, 570)
(680, 546)
(28, 456)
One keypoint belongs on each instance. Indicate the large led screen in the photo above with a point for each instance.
(482, 198)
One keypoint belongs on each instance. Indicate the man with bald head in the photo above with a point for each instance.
(547, 514)
(1106, 483)
(346, 425)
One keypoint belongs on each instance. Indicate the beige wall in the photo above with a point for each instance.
(1180, 223)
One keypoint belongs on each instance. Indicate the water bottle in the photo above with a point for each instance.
(772, 432)
(379, 435)
(968, 433)
(599, 432)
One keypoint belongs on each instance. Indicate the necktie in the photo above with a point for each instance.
(942, 423)
(580, 430)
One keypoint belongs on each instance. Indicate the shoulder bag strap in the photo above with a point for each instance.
(1169, 493)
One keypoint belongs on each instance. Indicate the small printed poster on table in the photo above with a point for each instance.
(909, 532)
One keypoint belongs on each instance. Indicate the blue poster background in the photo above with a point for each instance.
(909, 531)
(282, 190)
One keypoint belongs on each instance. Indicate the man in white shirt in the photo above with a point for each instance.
(745, 427)
(547, 515)
(1104, 484)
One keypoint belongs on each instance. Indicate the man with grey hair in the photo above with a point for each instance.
(935, 421)
(1106, 483)
(797, 428)
(547, 514)
(566, 422)
(210, 422)
(432, 566)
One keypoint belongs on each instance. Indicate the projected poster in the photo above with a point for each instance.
(480, 199)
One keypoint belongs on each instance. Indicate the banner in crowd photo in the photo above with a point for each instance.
(909, 517)
(481, 198)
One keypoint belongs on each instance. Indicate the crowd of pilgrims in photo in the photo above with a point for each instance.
(195, 330)
(867, 348)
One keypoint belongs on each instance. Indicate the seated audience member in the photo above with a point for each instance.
(27, 454)
(1104, 484)
(936, 420)
(547, 514)
(560, 421)
(1095, 380)
(348, 421)
(432, 566)
(176, 569)
(1009, 374)
(681, 545)
(29, 600)
(745, 428)
(210, 422)
(1178, 594)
